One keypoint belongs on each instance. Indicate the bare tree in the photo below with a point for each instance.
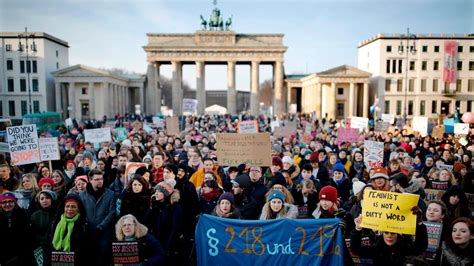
(265, 94)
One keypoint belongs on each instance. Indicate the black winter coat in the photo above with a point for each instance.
(16, 238)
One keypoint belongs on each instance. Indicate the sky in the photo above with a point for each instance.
(319, 34)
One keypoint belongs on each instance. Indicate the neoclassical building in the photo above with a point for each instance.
(336, 93)
(90, 93)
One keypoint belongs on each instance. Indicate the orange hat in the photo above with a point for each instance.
(380, 172)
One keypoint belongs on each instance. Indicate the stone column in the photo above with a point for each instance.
(157, 102)
(58, 97)
(107, 97)
(352, 99)
(126, 98)
(231, 91)
(120, 97)
(200, 87)
(91, 101)
(141, 95)
(365, 104)
(72, 100)
(113, 100)
(177, 100)
(319, 89)
(331, 101)
(254, 104)
(278, 100)
(151, 88)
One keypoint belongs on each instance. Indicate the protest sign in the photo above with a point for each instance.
(291, 124)
(440, 185)
(389, 118)
(281, 132)
(69, 123)
(121, 133)
(360, 123)
(222, 241)
(442, 166)
(308, 128)
(97, 135)
(373, 154)
(381, 126)
(49, 149)
(38, 254)
(125, 252)
(190, 106)
(461, 128)
(389, 211)
(62, 258)
(420, 124)
(130, 169)
(158, 122)
(347, 135)
(448, 125)
(23, 144)
(433, 194)
(234, 149)
(274, 124)
(247, 127)
(147, 128)
(172, 126)
(434, 231)
(438, 132)
(470, 200)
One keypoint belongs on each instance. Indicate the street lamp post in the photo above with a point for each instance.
(407, 49)
(28, 65)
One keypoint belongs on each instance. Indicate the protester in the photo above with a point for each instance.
(459, 249)
(80, 184)
(276, 207)
(225, 207)
(27, 191)
(135, 199)
(42, 219)
(246, 204)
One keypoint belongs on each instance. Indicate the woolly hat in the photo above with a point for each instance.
(458, 167)
(166, 187)
(70, 162)
(380, 172)
(314, 157)
(73, 197)
(88, 155)
(50, 193)
(172, 168)
(81, 178)
(242, 181)
(227, 196)
(46, 180)
(147, 157)
(278, 179)
(407, 147)
(357, 186)
(276, 194)
(276, 148)
(277, 161)
(339, 167)
(287, 159)
(328, 193)
(7, 195)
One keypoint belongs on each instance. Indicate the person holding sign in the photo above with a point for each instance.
(459, 249)
(149, 248)
(379, 179)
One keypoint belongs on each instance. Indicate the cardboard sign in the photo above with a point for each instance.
(434, 231)
(247, 127)
(438, 132)
(49, 149)
(420, 124)
(281, 132)
(61, 258)
(388, 118)
(125, 253)
(350, 135)
(190, 106)
(432, 194)
(23, 144)
(97, 135)
(461, 128)
(381, 126)
(121, 133)
(373, 154)
(131, 168)
(234, 149)
(360, 123)
(158, 122)
(172, 126)
(389, 212)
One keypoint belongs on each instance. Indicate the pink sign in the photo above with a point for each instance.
(449, 70)
(350, 135)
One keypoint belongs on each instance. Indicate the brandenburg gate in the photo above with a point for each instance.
(214, 45)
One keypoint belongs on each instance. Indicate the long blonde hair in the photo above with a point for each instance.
(140, 229)
(32, 178)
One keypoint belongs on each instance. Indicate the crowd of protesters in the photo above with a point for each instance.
(86, 202)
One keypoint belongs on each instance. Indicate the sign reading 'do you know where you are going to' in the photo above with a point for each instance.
(234, 149)
(389, 212)
(247, 127)
(23, 144)
(49, 149)
(222, 241)
(172, 126)
(98, 135)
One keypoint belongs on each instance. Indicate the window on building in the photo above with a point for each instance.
(11, 85)
(22, 85)
(28, 66)
(399, 66)
(24, 108)
(436, 65)
(459, 65)
(388, 49)
(423, 65)
(399, 107)
(340, 91)
(471, 65)
(85, 109)
(411, 85)
(8, 47)
(35, 85)
(434, 107)
(36, 106)
(470, 85)
(423, 85)
(57, 65)
(394, 66)
(340, 109)
(387, 84)
(458, 105)
(57, 53)
(387, 107)
(435, 85)
(9, 64)
(469, 106)
(471, 49)
(35, 66)
(436, 49)
(459, 49)
(422, 107)
(446, 87)
(458, 85)
(424, 48)
(11, 108)
(84, 91)
(22, 66)
(410, 107)
(388, 67)
(412, 65)
(399, 85)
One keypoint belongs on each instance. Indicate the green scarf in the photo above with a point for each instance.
(61, 242)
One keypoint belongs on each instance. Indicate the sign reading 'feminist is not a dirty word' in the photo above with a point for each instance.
(222, 241)
(389, 211)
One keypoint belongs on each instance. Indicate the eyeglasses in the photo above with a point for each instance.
(8, 202)
(128, 225)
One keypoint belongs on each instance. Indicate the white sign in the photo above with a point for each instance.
(190, 105)
(248, 127)
(420, 124)
(97, 135)
(373, 154)
(23, 143)
(69, 122)
(274, 124)
(388, 118)
(461, 128)
(147, 128)
(159, 123)
(49, 149)
(359, 122)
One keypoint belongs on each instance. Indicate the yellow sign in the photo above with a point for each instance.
(389, 211)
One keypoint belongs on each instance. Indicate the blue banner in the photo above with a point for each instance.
(293, 242)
